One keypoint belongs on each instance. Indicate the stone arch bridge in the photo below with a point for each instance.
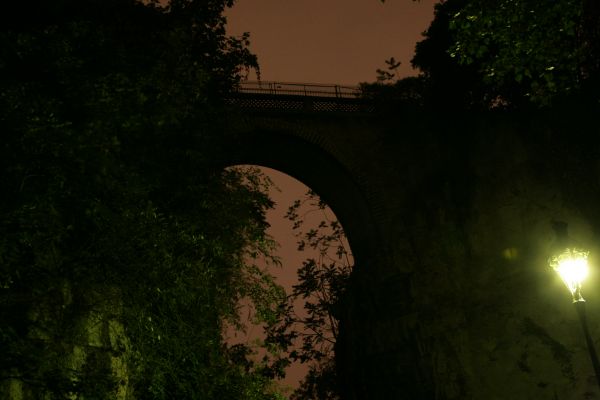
(449, 218)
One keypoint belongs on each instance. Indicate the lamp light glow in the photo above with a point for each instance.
(572, 267)
(571, 264)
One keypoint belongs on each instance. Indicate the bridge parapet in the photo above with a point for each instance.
(299, 98)
(300, 89)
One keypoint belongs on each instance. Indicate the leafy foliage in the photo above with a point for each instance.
(389, 73)
(322, 284)
(111, 211)
(449, 84)
(506, 54)
(529, 44)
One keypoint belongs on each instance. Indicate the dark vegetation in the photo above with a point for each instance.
(508, 54)
(113, 224)
(309, 336)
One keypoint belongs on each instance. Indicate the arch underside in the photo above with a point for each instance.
(323, 174)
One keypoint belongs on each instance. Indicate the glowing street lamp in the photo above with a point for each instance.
(571, 264)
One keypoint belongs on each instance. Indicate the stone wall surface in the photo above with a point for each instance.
(471, 212)
(453, 298)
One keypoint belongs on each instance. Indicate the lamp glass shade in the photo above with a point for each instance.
(572, 267)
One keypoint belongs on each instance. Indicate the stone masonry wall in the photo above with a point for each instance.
(466, 306)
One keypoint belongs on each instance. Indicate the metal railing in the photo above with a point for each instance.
(299, 89)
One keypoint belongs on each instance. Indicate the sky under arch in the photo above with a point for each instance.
(284, 192)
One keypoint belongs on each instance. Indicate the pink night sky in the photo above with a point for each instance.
(322, 41)
(330, 41)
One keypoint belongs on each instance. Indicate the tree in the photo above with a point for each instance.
(511, 53)
(448, 83)
(112, 214)
(389, 73)
(530, 50)
(532, 45)
(443, 83)
(322, 285)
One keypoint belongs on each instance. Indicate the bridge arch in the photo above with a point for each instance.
(310, 161)
(334, 154)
